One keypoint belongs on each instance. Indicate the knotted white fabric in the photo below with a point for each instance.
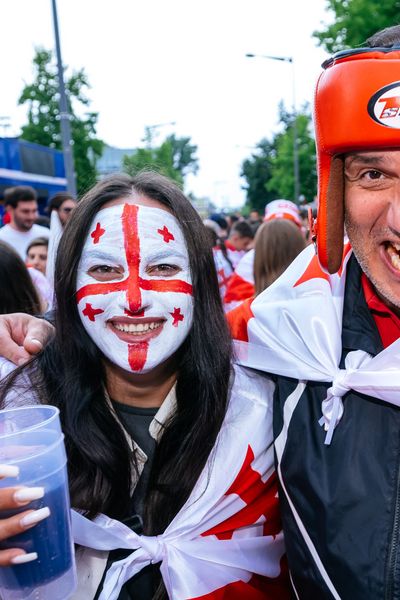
(233, 497)
(296, 332)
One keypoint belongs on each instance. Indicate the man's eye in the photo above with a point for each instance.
(163, 269)
(373, 174)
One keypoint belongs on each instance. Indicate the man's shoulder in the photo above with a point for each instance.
(6, 232)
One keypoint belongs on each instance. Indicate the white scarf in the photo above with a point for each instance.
(233, 494)
(296, 332)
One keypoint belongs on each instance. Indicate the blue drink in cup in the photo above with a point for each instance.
(31, 439)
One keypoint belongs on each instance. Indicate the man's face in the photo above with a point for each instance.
(24, 215)
(134, 286)
(372, 217)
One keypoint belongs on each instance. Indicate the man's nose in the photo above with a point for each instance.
(393, 214)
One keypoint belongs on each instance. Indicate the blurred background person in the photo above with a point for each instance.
(63, 204)
(254, 220)
(36, 254)
(21, 204)
(222, 263)
(277, 244)
(241, 284)
(60, 209)
(239, 242)
(17, 290)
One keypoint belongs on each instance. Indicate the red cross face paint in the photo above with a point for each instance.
(134, 288)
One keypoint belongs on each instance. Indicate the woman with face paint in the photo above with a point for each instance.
(152, 411)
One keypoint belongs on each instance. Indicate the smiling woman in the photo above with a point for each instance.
(151, 407)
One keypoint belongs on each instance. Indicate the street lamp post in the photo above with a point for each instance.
(65, 117)
(296, 172)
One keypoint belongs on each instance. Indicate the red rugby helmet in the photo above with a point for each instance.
(357, 107)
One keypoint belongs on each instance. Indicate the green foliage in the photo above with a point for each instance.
(282, 162)
(43, 125)
(256, 171)
(269, 172)
(175, 158)
(356, 21)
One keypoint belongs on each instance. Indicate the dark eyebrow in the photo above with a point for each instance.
(365, 159)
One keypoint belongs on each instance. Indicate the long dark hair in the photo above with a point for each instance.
(17, 292)
(73, 378)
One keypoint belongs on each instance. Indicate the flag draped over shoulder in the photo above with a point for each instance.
(294, 329)
(226, 541)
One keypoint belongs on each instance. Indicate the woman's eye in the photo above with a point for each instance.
(105, 272)
(163, 269)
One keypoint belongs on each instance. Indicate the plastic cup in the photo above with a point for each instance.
(31, 438)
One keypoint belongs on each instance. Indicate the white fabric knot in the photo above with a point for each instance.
(339, 386)
(154, 546)
(332, 406)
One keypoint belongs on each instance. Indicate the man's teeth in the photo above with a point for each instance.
(137, 328)
(393, 251)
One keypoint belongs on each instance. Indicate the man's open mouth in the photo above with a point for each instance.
(393, 252)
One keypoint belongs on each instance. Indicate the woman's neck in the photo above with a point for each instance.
(145, 390)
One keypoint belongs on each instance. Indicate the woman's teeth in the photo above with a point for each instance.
(394, 254)
(138, 327)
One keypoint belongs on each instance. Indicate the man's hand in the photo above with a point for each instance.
(22, 335)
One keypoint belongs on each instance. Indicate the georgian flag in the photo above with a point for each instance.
(226, 542)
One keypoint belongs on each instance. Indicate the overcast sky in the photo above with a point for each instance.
(159, 61)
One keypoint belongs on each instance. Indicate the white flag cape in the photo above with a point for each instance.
(219, 536)
(296, 332)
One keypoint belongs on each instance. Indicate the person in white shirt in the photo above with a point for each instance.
(21, 202)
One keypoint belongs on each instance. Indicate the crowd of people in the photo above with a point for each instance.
(229, 389)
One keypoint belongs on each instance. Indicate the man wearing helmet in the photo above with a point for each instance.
(328, 332)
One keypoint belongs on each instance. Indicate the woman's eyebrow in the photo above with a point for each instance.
(98, 255)
(165, 254)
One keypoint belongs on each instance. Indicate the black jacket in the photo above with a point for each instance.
(341, 503)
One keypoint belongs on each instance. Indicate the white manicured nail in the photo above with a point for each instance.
(28, 494)
(24, 558)
(9, 471)
(35, 517)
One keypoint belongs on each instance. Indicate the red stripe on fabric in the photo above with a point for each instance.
(258, 588)
(137, 355)
(260, 498)
(132, 251)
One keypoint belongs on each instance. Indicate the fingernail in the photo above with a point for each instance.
(35, 341)
(9, 471)
(28, 494)
(24, 558)
(35, 517)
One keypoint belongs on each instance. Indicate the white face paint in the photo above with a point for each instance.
(134, 289)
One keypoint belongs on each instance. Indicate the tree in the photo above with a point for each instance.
(356, 21)
(43, 125)
(175, 158)
(256, 171)
(269, 173)
(282, 162)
